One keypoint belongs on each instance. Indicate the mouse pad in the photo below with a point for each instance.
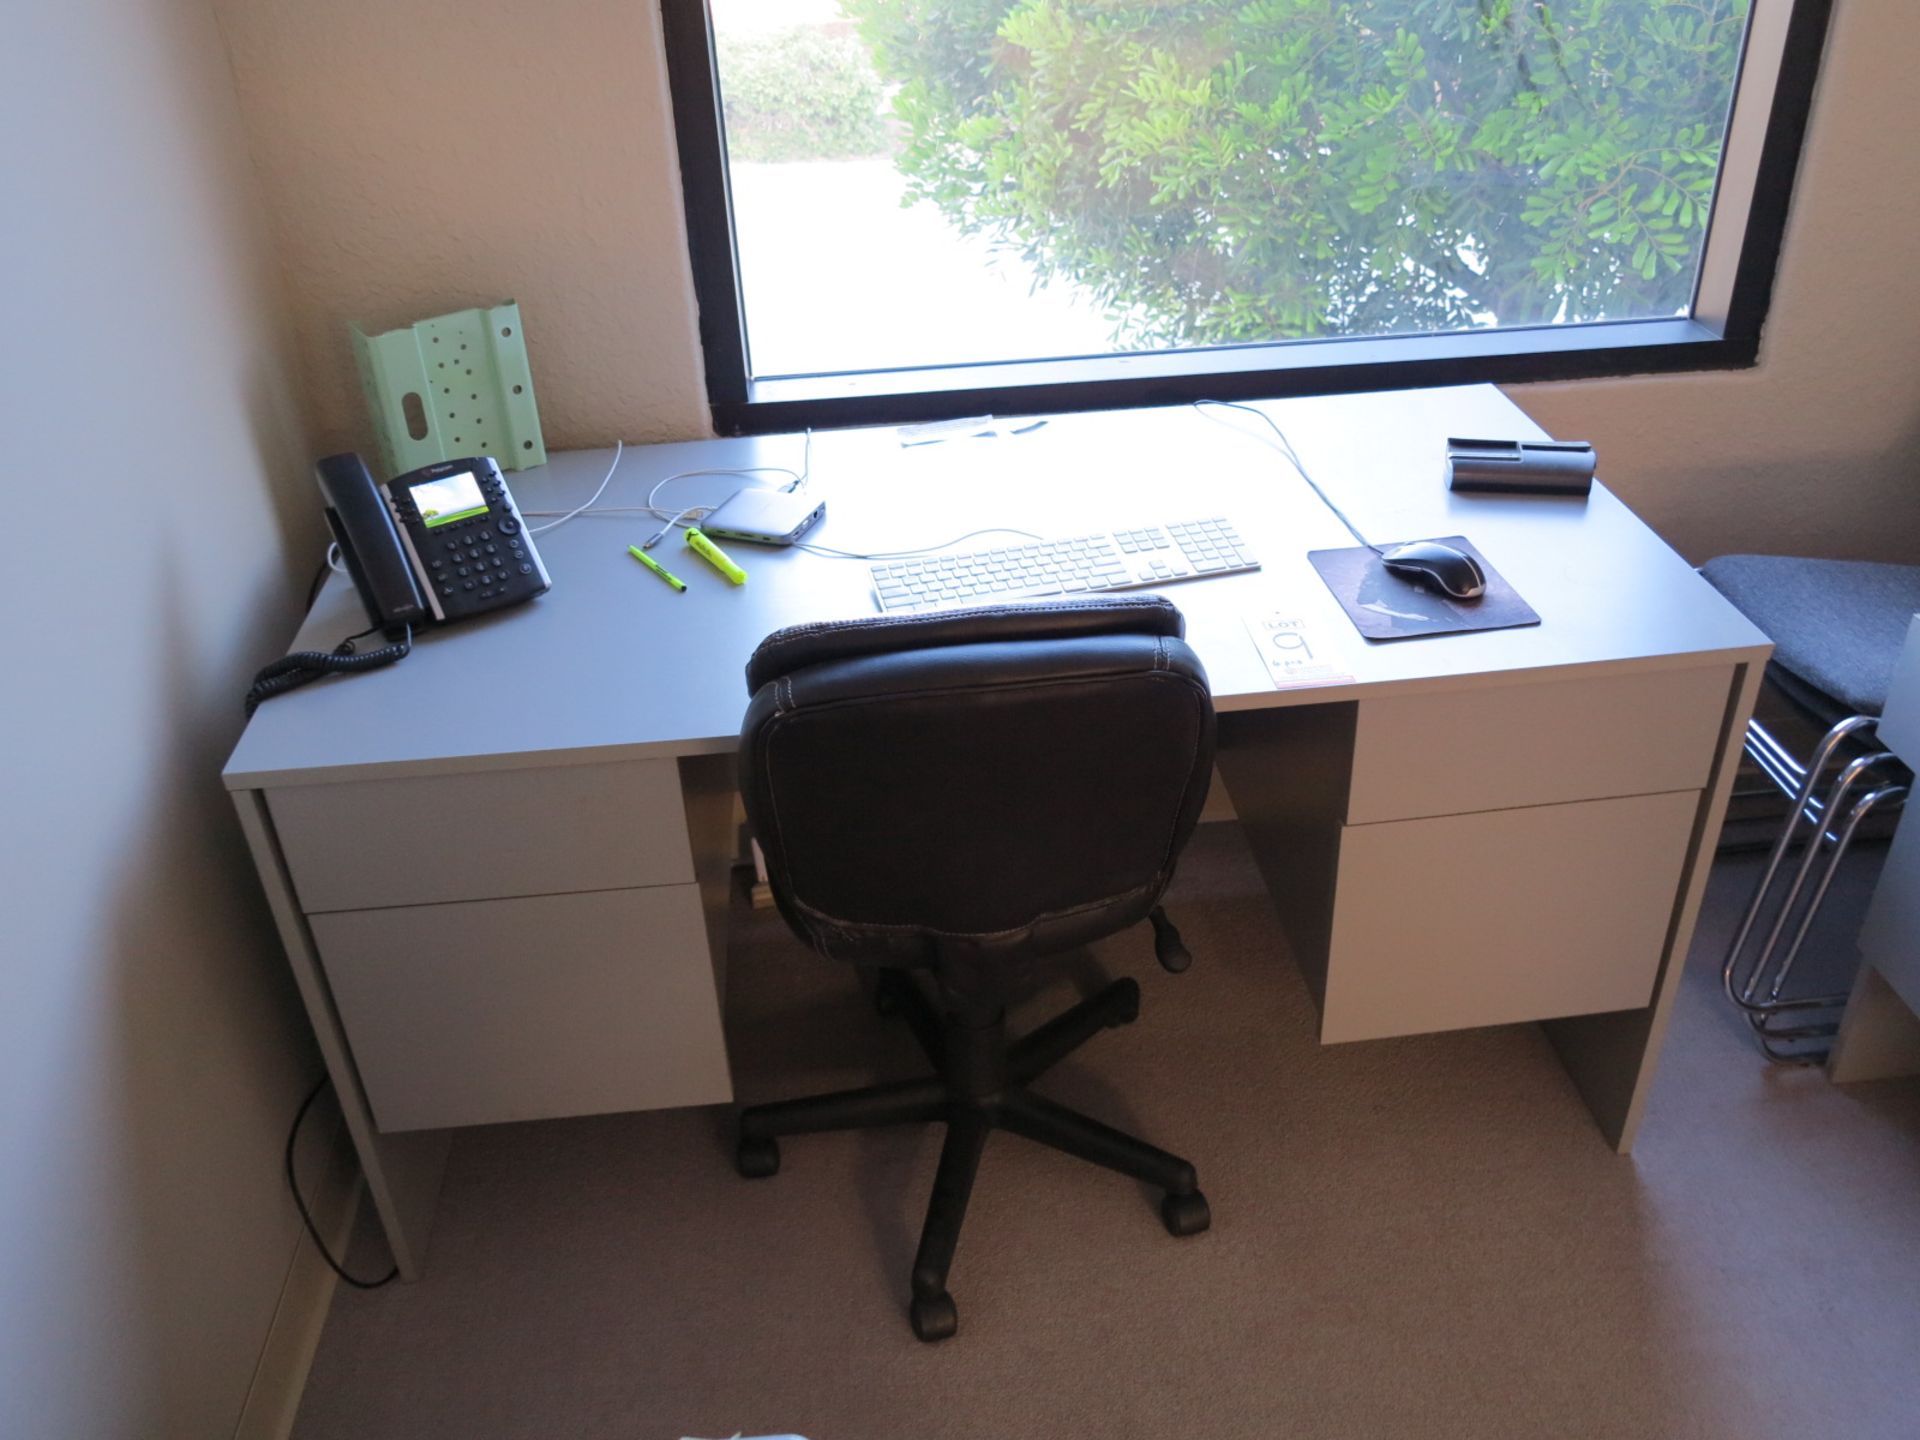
(1385, 606)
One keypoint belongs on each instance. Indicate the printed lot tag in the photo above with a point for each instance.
(1294, 653)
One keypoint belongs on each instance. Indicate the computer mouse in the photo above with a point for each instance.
(1454, 573)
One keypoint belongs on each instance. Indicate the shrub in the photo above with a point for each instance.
(802, 94)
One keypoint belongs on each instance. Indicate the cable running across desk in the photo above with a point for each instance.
(690, 514)
(1293, 459)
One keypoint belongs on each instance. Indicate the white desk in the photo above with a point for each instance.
(499, 868)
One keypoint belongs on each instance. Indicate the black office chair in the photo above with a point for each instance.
(964, 794)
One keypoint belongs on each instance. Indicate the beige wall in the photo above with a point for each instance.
(420, 156)
(161, 531)
(499, 147)
(1816, 451)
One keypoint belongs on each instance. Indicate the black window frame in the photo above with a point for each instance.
(744, 405)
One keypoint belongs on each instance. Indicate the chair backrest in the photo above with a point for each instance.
(975, 786)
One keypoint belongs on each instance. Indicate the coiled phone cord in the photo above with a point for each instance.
(303, 667)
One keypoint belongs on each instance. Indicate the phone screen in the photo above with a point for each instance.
(450, 498)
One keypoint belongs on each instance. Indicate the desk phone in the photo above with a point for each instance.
(436, 544)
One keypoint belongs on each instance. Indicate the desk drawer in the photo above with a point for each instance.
(1487, 919)
(1586, 739)
(476, 1012)
(483, 835)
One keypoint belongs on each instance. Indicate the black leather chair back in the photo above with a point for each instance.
(979, 786)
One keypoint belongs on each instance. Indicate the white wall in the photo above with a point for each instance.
(162, 528)
(500, 147)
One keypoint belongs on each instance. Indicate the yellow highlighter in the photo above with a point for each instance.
(714, 555)
(656, 567)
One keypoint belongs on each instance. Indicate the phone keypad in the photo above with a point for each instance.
(479, 561)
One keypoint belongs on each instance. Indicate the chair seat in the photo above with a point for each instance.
(1836, 625)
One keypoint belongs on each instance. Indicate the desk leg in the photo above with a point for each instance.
(1612, 1057)
(711, 800)
(402, 1170)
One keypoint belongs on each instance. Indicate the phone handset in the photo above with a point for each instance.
(444, 542)
(369, 541)
(362, 523)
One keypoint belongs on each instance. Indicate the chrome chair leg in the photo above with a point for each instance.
(1759, 995)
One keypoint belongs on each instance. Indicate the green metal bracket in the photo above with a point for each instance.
(452, 386)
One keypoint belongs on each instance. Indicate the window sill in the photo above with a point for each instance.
(1316, 367)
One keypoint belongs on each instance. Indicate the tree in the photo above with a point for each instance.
(799, 94)
(1220, 172)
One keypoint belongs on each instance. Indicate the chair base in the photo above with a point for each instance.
(981, 1087)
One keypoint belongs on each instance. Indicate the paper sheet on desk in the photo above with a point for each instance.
(1294, 654)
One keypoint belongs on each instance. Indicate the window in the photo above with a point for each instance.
(907, 209)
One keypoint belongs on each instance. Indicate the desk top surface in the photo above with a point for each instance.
(612, 663)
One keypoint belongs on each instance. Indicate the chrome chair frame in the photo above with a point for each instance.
(1759, 995)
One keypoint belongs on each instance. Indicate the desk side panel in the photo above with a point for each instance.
(711, 799)
(403, 1172)
(1287, 773)
(1891, 929)
(1899, 727)
(1879, 1032)
(1879, 1035)
(1612, 1057)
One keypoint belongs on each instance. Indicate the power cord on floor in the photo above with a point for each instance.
(306, 1216)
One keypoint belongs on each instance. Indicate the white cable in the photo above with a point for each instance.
(1293, 458)
(832, 554)
(619, 449)
(694, 512)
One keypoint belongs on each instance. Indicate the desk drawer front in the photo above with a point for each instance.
(483, 835)
(1587, 739)
(473, 1013)
(1464, 920)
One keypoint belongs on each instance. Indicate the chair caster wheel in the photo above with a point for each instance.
(1185, 1214)
(757, 1159)
(1126, 1009)
(1168, 948)
(934, 1319)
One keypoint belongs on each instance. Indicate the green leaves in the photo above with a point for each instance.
(800, 95)
(1219, 172)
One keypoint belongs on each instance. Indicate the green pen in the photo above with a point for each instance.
(656, 567)
(714, 555)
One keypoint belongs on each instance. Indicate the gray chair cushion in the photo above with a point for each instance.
(1836, 625)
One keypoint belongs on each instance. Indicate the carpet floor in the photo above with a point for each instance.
(1423, 1237)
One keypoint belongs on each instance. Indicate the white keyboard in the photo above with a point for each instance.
(1085, 564)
